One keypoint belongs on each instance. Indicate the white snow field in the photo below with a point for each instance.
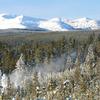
(8, 21)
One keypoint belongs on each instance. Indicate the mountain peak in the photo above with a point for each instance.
(84, 23)
(55, 24)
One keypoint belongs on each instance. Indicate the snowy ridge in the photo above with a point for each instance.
(11, 23)
(55, 24)
(8, 21)
(22, 22)
(84, 23)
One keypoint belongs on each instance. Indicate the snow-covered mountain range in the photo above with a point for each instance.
(8, 21)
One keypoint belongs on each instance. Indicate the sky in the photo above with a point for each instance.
(52, 8)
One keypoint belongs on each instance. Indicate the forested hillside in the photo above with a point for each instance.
(38, 47)
(56, 66)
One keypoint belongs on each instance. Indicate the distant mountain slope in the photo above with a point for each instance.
(84, 23)
(55, 24)
(22, 22)
(8, 21)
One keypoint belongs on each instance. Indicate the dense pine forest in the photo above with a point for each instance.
(61, 65)
(52, 45)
